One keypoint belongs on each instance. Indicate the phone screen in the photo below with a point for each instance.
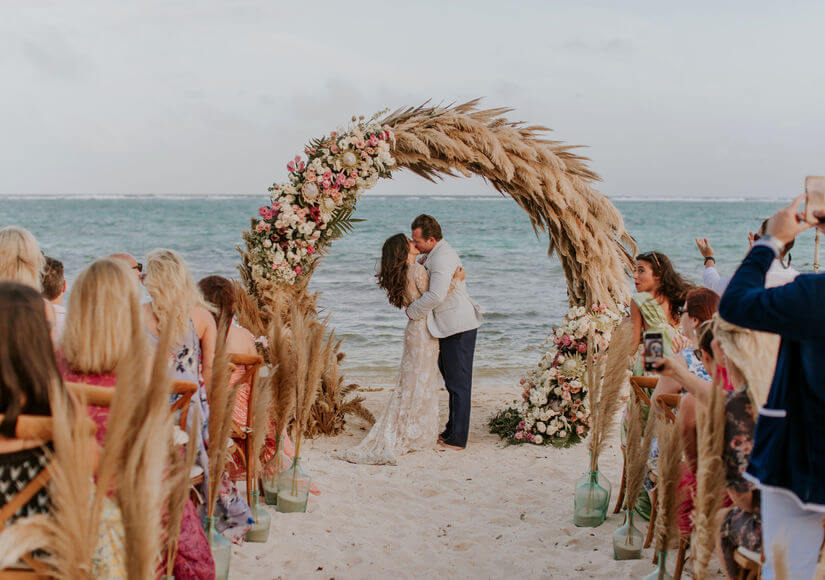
(814, 197)
(654, 350)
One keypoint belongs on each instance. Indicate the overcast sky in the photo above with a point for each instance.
(205, 96)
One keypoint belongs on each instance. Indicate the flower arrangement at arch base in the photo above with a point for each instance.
(555, 407)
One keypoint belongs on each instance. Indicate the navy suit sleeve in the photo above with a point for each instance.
(795, 311)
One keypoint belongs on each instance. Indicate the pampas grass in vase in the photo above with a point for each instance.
(311, 352)
(628, 541)
(606, 377)
(669, 473)
(281, 387)
(259, 532)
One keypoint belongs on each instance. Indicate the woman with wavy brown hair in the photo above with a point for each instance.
(410, 419)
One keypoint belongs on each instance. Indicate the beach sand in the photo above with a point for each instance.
(490, 511)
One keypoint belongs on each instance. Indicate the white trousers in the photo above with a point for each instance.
(787, 526)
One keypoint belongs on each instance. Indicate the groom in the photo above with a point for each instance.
(451, 318)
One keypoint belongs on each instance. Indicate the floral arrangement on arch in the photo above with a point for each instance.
(314, 207)
(555, 407)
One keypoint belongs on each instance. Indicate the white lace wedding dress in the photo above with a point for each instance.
(410, 419)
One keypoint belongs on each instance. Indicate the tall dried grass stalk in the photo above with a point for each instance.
(178, 484)
(25, 536)
(281, 380)
(136, 450)
(612, 386)
(259, 422)
(333, 405)
(637, 451)
(221, 397)
(75, 527)
(710, 478)
(669, 474)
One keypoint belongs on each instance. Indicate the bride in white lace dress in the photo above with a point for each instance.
(410, 419)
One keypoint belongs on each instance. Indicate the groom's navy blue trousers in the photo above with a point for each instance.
(455, 361)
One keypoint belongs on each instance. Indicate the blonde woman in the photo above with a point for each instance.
(104, 325)
(176, 305)
(102, 314)
(22, 261)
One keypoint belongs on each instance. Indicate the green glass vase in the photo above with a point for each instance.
(272, 469)
(259, 532)
(221, 550)
(293, 489)
(591, 500)
(628, 541)
(660, 573)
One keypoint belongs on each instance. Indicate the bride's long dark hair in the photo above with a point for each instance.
(392, 275)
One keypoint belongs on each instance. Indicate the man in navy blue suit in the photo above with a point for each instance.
(788, 458)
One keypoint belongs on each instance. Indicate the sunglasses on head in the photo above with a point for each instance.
(650, 257)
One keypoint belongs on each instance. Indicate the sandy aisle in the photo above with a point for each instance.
(490, 511)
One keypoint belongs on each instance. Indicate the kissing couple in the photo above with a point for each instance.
(439, 343)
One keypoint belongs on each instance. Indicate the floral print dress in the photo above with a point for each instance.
(740, 528)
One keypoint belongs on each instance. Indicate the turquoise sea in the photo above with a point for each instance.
(508, 272)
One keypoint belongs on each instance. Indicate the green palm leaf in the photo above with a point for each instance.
(341, 223)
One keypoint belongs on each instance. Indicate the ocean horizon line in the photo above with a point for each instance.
(704, 198)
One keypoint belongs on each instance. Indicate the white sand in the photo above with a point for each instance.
(490, 511)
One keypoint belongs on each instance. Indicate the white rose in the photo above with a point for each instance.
(267, 243)
(538, 439)
(562, 433)
(541, 427)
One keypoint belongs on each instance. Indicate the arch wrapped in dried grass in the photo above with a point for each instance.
(551, 183)
(546, 178)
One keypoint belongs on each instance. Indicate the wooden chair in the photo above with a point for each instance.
(638, 385)
(38, 428)
(240, 435)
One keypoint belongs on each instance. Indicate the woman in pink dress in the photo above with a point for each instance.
(102, 311)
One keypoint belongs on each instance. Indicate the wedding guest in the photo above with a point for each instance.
(135, 266)
(778, 274)
(102, 316)
(29, 375)
(22, 261)
(742, 525)
(789, 442)
(54, 289)
(175, 305)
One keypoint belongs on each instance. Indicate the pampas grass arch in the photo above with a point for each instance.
(546, 178)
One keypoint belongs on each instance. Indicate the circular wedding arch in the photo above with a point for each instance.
(550, 182)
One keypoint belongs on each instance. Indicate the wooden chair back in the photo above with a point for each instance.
(186, 390)
(669, 403)
(252, 365)
(38, 428)
(639, 384)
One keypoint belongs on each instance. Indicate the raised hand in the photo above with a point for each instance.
(704, 247)
(460, 274)
(787, 223)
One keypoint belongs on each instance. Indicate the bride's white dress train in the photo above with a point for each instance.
(410, 419)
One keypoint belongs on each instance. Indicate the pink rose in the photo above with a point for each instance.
(290, 167)
(579, 429)
(334, 148)
(360, 144)
(373, 140)
(310, 249)
(566, 340)
(262, 227)
(298, 270)
(582, 347)
(266, 213)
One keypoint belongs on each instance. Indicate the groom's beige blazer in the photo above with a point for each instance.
(447, 313)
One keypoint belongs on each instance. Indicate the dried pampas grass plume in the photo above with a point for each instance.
(259, 422)
(281, 380)
(637, 451)
(221, 398)
(669, 473)
(611, 387)
(710, 478)
(178, 484)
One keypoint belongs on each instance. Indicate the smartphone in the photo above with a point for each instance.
(654, 350)
(814, 198)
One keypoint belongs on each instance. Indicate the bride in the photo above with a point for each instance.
(410, 419)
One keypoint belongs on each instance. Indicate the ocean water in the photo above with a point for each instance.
(522, 291)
